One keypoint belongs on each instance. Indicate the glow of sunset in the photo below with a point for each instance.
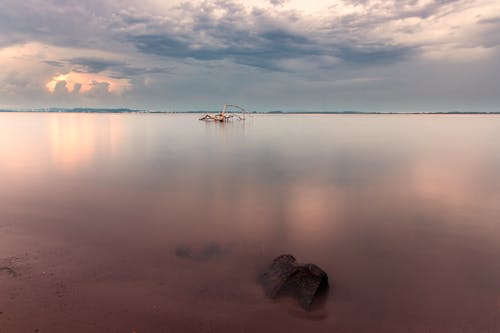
(87, 81)
(76, 140)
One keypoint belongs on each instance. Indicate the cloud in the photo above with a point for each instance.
(491, 20)
(300, 48)
(250, 33)
(54, 63)
(86, 83)
(261, 50)
(256, 38)
(99, 89)
(377, 55)
(61, 88)
(277, 2)
(113, 68)
(93, 65)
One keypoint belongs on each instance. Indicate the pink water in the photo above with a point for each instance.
(162, 223)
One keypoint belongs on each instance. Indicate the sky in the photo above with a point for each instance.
(291, 55)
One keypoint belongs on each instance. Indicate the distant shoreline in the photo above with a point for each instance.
(124, 110)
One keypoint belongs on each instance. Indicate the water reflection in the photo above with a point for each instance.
(76, 139)
(73, 141)
(401, 211)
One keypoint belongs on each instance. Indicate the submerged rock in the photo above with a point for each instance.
(209, 251)
(285, 277)
(8, 271)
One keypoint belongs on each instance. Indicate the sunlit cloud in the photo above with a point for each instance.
(82, 83)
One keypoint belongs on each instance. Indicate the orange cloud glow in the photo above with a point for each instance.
(84, 82)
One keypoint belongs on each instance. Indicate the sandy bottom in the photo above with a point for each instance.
(212, 287)
(208, 289)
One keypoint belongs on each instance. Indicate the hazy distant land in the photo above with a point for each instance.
(127, 110)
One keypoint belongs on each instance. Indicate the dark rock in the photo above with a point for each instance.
(9, 271)
(211, 250)
(208, 251)
(183, 252)
(285, 277)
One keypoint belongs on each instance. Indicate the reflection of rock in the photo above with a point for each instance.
(183, 252)
(8, 271)
(211, 250)
(287, 278)
(208, 251)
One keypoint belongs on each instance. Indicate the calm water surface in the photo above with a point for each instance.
(162, 223)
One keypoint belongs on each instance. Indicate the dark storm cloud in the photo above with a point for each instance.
(262, 50)
(67, 23)
(126, 72)
(384, 55)
(116, 69)
(268, 49)
(94, 65)
(254, 40)
(54, 63)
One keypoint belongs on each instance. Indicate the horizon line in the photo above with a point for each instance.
(131, 110)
